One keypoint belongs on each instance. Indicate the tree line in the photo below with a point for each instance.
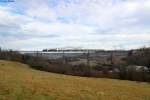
(132, 70)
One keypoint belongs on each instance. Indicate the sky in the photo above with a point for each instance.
(92, 24)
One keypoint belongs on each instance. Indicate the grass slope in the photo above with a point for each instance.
(19, 82)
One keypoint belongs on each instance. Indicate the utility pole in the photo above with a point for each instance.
(112, 55)
(111, 58)
(37, 54)
(88, 60)
(89, 67)
(63, 57)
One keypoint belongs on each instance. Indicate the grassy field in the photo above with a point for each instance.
(19, 82)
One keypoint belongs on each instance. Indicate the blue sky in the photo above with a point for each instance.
(98, 24)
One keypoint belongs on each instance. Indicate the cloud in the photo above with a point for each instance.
(38, 24)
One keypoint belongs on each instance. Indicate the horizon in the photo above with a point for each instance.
(90, 24)
(98, 49)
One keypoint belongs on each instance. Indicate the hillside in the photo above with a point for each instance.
(20, 82)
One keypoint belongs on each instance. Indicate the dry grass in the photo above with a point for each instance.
(19, 82)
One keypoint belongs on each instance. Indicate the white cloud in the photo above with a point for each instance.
(42, 13)
(88, 24)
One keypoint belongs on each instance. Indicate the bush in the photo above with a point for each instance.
(141, 58)
(125, 72)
